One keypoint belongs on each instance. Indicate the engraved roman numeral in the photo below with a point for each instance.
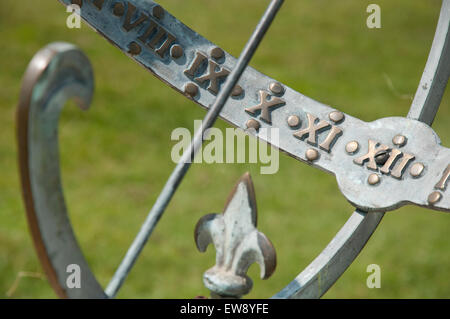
(395, 153)
(166, 45)
(154, 32)
(397, 172)
(312, 129)
(331, 138)
(200, 57)
(213, 76)
(397, 159)
(442, 184)
(127, 24)
(266, 106)
(152, 27)
(370, 156)
(158, 33)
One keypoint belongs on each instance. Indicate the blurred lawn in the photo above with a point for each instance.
(116, 157)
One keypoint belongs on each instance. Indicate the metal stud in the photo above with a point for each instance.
(191, 89)
(134, 48)
(253, 124)
(336, 116)
(217, 53)
(373, 179)
(434, 197)
(158, 12)
(399, 140)
(276, 88)
(176, 51)
(237, 90)
(416, 169)
(352, 147)
(311, 154)
(293, 120)
(119, 9)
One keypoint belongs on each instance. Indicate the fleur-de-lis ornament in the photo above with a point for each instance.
(238, 243)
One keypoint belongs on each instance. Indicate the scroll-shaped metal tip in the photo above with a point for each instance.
(237, 241)
(58, 72)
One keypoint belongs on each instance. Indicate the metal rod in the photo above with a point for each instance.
(185, 162)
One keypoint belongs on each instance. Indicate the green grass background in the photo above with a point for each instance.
(116, 156)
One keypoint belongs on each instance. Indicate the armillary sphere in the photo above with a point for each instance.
(379, 166)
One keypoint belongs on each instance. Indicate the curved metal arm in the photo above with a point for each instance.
(57, 73)
(437, 70)
(322, 273)
(315, 280)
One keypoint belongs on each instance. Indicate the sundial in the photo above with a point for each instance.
(379, 166)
